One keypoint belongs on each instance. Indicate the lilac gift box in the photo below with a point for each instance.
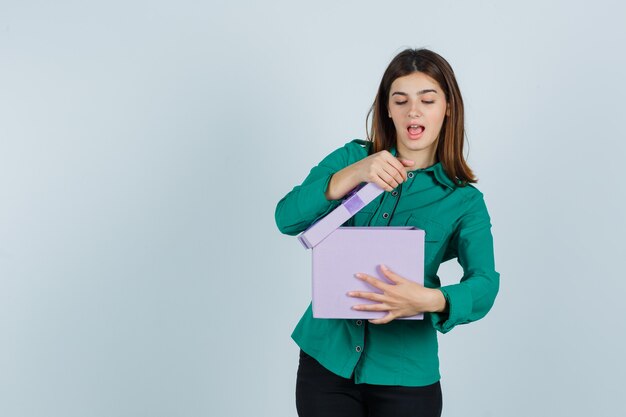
(340, 252)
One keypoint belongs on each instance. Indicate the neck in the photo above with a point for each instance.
(421, 159)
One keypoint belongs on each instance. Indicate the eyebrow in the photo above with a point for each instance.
(428, 90)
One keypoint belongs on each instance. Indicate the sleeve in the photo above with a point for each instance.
(474, 295)
(307, 202)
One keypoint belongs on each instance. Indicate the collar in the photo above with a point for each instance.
(437, 170)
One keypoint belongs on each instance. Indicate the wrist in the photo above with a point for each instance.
(341, 182)
(438, 302)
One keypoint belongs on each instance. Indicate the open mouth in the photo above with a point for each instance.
(416, 129)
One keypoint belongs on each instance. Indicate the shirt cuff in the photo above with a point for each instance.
(459, 300)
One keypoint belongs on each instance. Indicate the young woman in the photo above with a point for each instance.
(387, 367)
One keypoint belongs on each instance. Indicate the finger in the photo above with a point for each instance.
(388, 179)
(393, 172)
(381, 183)
(374, 282)
(398, 167)
(374, 296)
(388, 163)
(389, 317)
(392, 276)
(392, 166)
(371, 307)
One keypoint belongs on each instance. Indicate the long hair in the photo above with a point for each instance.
(452, 134)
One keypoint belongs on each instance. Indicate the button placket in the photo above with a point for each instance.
(386, 208)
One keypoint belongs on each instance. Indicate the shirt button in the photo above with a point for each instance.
(394, 193)
(359, 322)
(385, 215)
(410, 175)
(358, 349)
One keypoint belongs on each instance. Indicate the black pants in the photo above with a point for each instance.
(320, 392)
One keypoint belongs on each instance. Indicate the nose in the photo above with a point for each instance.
(413, 111)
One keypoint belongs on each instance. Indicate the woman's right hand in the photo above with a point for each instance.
(383, 169)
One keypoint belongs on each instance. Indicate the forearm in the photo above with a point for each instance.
(302, 205)
(468, 301)
(342, 182)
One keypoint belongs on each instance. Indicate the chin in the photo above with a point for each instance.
(418, 145)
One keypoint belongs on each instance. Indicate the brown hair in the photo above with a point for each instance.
(452, 134)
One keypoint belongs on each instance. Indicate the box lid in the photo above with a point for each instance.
(358, 199)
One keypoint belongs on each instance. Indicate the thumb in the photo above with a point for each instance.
(406, 162)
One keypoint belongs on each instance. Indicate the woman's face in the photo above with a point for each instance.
(418, 106)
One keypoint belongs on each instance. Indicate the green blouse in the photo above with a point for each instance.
(457, 225)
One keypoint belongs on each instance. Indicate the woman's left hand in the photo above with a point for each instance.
(402, 298)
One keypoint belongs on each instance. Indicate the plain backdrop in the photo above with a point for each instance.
(144, 146)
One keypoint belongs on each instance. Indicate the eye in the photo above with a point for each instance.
(427, 102)
(400, 102)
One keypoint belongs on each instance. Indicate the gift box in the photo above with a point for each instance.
(340, 252)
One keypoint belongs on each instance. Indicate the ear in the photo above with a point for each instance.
(448, 110)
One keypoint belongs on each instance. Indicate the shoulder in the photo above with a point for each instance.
(470, 192)
(358, 147)
(473, 201)
(359, 142)
(349, 153)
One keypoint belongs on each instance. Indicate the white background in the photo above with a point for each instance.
(144, 146)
